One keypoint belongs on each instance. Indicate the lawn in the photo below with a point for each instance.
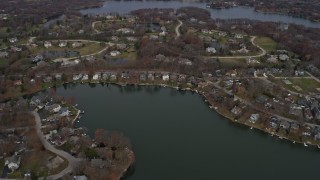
(233, 62)
(301, 85)
(3, 62)
(266, 43)
(87, 49)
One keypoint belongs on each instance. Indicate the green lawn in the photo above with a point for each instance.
(233, 62)
(306, 84)
(3, 62)
(88, 48)
(266, 43)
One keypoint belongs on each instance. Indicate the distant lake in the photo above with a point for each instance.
(125, 7)
(175, 136)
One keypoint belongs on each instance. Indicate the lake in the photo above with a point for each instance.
(125, 7)
(176, 136)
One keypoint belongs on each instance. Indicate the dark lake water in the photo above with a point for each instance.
(124, 7)
(176, 136)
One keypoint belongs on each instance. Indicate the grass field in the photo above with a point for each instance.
(266, 43)
(300, 85)
(88, 48)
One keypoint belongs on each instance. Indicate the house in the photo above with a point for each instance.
(193, 19)
(182, 77)
(272, 59)
(121, 46)
(283, 57)
(77, 44)
(4, 54)
(16, 49)
(80, 177)
(115, 38)
(243, 50)
(47, 79)
(254, 118)
(211, 50)
(238, 36)
(299, 73)
(236, 110)
(285, 125)
(13, 162)
(58, 76)
(13, 40)
(114, 53)
(273, 123)
(163, 33)
(64, 112)
(106, 75)
(308, 114)
(125, 75)
(151, 76)
(35, 101)
(113, 76)
(85, 77)
(315, 110)
(81, 31)
(165, 77)
(54, 108)
(252, 60)
(18, 83)
(125, 31)
(90, 58)
(37, 58)
(143, 77)
(295, 110)
(185, 61)
(96, 76)
(222, 33)
(67, 63)
(153, 37)
(63, 44)
(47, 44)
(76, 77)
(161, 57)
(132, 39)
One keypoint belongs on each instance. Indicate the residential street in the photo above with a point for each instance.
(72, 161)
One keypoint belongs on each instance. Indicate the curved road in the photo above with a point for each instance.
(178, 29)
(93, 27)
(263, 52)
(72, 161)
(84, 40)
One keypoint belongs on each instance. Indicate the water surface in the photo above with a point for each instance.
(176, 136)
(125, 7)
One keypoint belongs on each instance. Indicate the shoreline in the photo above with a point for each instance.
(212, 107)
(167, 84)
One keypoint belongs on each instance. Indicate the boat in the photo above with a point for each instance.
(318, 146)
(251, 128)
(82, 112)
(294, 142)
(305, 145)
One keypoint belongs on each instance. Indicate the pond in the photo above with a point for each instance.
(125, 7)
(176, 136)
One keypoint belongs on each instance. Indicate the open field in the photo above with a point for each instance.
(300, 85)
(266, 43)
(86, 49)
